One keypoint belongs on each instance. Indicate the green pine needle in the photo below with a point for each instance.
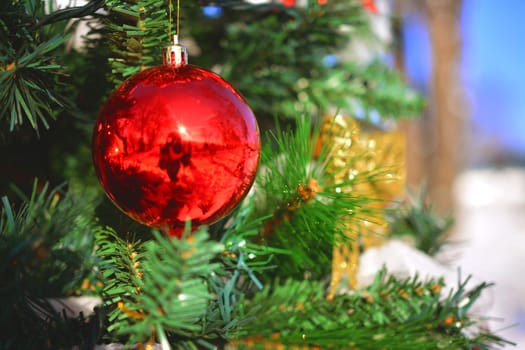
(46, 247)
(158, 286)
(25, 92)
(308, 214)
(138, 33)
(410, 313)
(416, 220)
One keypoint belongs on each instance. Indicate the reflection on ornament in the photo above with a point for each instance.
(370, 164)
(175, 143)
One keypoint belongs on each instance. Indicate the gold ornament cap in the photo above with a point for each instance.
(175, 54)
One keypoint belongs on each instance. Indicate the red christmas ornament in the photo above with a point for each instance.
(174, 143)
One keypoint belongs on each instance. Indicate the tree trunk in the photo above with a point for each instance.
(446, 101)
(434, 142)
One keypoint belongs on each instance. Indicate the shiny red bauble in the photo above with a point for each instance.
(176, 143)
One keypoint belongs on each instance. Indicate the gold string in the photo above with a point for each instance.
(169, 20)
(178, 16)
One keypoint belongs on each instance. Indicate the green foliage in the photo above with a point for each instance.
(307, 212)
(417, 221)
(138, 31)
(239, 236)
(31, 77)
(181, 292)
(271, 53)
(243, 263)
(24, 86)
(46, 250)
(304, 227)
(366, 91)
(390, 313)
(157, 289)
(283, 49)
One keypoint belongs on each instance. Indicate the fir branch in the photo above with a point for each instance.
(242, 261)
(138, 32)
(25, 86)
(239, 236)
(160, 290)
(309, 212)
(417, 221)
(371, 91)
(120, 271)
(46, 247)
(410, 313)
(283, 48)
(31, 77)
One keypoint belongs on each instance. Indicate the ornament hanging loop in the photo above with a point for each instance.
(175, 54)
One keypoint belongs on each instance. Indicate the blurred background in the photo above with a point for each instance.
(466, 57)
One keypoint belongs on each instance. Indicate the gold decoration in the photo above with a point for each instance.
(369, 164)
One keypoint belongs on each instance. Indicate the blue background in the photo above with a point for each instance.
(492, 67)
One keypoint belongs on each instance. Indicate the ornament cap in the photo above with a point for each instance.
(175, 54)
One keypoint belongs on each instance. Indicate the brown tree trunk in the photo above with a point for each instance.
(434, 141)
(446, 100)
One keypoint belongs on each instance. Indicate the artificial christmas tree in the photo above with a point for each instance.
(273, 273)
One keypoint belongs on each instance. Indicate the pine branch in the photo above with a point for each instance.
(120, 271)
(417, 221)
(31, 76)
(146, 284)
(410, 313)
(242, 264)
(26, 91)
(283, 48)
(309, 213)
(138, 31)
(369, 91)
(158, 289)
(239, 236)
(45, 250)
